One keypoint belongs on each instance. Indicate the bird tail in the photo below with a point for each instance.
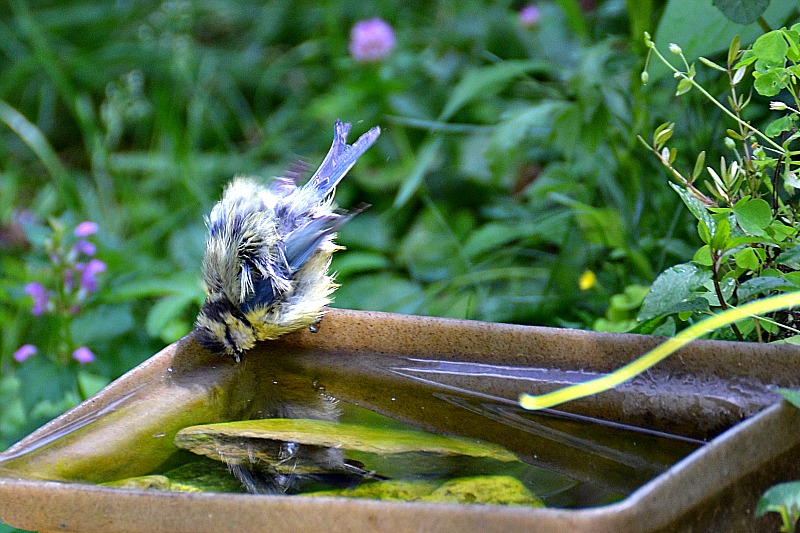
(341, 157)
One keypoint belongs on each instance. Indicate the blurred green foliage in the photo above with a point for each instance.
(508, 167)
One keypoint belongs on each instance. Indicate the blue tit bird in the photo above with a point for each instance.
(268, 251)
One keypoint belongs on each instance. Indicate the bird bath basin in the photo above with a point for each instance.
(690, 445)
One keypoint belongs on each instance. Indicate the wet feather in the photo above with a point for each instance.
(268, 252)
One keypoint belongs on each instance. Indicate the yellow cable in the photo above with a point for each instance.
(659, 353)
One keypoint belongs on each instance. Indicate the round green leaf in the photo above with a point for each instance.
(771, 47)
(767, 84)
(753, 215)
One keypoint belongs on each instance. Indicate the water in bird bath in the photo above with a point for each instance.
(565, 459)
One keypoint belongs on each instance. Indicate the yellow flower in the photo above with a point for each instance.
(587, 280)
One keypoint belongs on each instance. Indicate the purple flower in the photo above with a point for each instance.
(24, 351)
(83, 355)
(89, 274)
(84, 229)
(24, 217)
(69, 276)
(85, 247)
(530, 15)
(371, 40)
(39, 295)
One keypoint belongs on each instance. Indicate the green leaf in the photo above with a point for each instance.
(104, 322)
(356, 262)
(425, 160)
(747, 259)
(534, 120)
(721, 234)
(696, 207)
(492, 236)
(742, 11)
(778, 126)
(790, 257)
(662, 134)
(380, 292)
(784, 499)
(702, 231)
(779, 232)
(793, 36)
(791, 180)
(143, 287)
(13, 415)
(164, 311)
(767, 84)
(753, 216)
(31, 135)
(747, 239)
(684, 86)
(90, 383)
(429, 249)
(488, 80)
(703, 256)
(762, 285)
(704, 30)
(792, 396)
(673, 292)
(367, 231)
(771, 47)
(699, 165)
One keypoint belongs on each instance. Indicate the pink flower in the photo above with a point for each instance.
(25, 351)
(83, 355)
(371, 40)
(89, 275)
(530, 15)
(39, 295)
(84, 229)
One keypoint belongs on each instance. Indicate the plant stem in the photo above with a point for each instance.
(727, 111)
(678, 176)
(722, 303)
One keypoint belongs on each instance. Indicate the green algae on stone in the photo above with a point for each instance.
(152, 482)
(402, 490)
(205, 439)
(204, 475)
(496, 490)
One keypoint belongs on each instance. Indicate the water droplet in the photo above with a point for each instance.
(170, 369)
(393, 399)
(159, 435)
